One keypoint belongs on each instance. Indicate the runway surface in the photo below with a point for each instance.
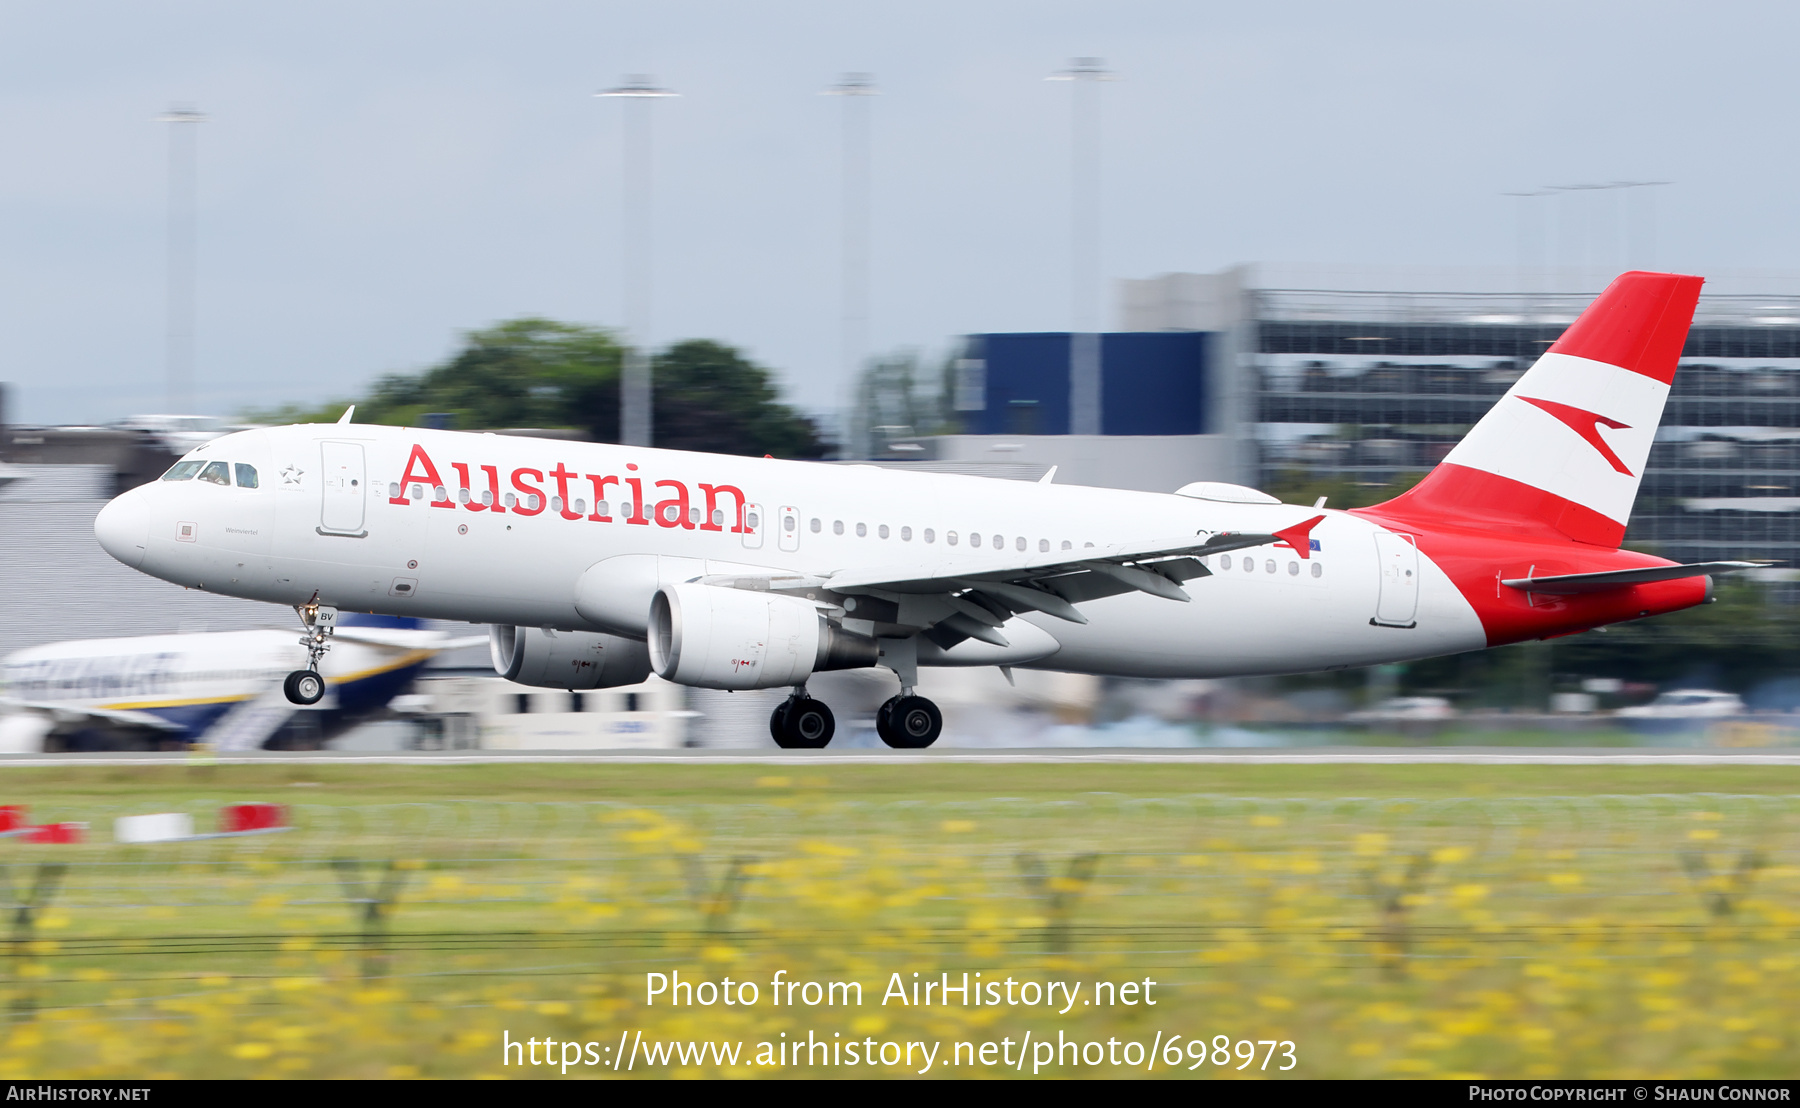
(1297, 756)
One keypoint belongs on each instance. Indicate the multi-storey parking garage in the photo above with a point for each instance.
(1375, 388)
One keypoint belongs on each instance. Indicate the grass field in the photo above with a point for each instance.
(1386, 920)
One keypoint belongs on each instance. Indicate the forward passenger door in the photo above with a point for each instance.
(344, 487)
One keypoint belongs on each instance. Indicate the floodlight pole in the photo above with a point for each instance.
(635, 424)
(1085, 291)
(855, 89)
(1530, 265)
(180, 293)
(1619, 186)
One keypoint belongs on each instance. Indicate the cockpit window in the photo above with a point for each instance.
(219, 473)
(246, 476)
(182, 471)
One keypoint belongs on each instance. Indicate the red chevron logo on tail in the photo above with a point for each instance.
(1587, 425)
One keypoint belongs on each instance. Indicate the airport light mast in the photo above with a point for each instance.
(183, 121)
(1085, 291)
(855, 89)
(1632, 256)
(638, 91)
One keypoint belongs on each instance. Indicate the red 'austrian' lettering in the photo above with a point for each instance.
(712, 502)
(531, 497)
(674, 511)
(677, 510)
(427, 475)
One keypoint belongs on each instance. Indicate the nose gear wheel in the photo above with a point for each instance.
(304, 686)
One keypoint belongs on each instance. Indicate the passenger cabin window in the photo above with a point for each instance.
(246, 476)
(183, 471)
(930, 535)
(218, 473)
(862, 530)
(837, 526)
(974, 538)
(906, 534)
(815, 526)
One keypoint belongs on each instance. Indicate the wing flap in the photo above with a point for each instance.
(975, 569)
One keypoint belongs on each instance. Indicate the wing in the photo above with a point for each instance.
(966, 596)
(111, 715)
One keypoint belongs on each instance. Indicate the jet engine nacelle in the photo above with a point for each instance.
(566, 659)
(723, 638)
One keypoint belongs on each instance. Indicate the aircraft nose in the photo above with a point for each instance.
(123, 527)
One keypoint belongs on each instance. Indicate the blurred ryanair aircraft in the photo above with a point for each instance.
(222, 688)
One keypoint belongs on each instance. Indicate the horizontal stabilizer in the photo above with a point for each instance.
(1570, 584)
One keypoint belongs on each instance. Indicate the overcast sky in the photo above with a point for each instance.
(377, 177)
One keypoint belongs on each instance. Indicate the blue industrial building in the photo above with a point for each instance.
(1151, 383)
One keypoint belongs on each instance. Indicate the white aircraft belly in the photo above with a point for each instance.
(1247, 624)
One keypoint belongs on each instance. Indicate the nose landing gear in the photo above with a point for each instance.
(305, 686)
(802, 723)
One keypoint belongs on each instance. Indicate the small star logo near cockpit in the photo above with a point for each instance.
(292, 474)
(1587, 425)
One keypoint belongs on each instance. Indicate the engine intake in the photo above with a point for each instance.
(566, 659)
(719, 638)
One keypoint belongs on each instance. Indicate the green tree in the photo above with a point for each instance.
(539, 373)
(710, 397)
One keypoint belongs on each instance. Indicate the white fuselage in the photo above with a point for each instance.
(345, 513)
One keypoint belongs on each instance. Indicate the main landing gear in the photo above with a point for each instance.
(905, 722)
(909, 722)
(305, 686)
(802, 723)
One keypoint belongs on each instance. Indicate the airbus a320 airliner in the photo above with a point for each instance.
(598, 563)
